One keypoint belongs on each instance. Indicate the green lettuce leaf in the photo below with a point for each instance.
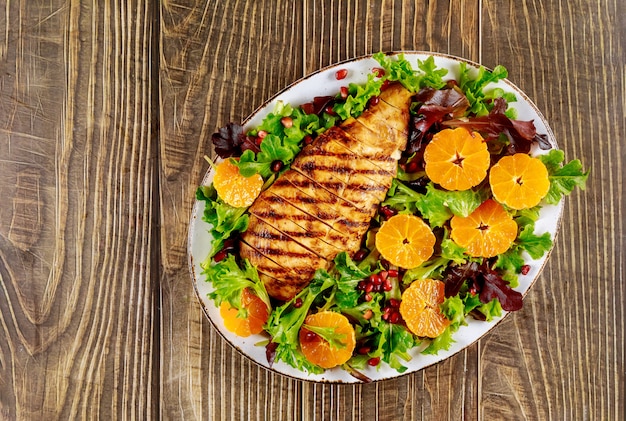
(358, 97)
(474, 88)
(229, 280)
(563, 178)
(223, 218)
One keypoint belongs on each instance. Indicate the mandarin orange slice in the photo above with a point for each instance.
(420, 308)
(321, 352)
(405, 241)
(486, 232)
(257, 315)
(519, 181)
(457, 159)
(234, 188)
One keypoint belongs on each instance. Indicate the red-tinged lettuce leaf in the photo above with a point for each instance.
(483, 280)
(231, 140)
(436, 105)
(494, 286)
(520, 135)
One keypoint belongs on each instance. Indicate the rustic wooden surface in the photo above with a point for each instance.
(106, 109)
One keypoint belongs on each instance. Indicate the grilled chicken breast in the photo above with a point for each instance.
(324, 203)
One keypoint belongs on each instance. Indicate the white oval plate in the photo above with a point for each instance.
(320, 83)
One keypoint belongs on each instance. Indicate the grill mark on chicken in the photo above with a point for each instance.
(338, 232)
(325, 202)
(312, 240)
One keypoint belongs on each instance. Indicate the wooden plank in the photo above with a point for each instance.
(562, 357)
(218, 62)
(76, 216)
(336, 31)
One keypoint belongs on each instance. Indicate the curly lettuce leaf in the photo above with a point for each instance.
(229, 281)
(358, 97)
(563, 178)
(223, 218)
(474, 87)
(400, 69)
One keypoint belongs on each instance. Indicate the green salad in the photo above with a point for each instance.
(364, 287)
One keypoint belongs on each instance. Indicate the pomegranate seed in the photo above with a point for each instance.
(361, 285)
(287, 122)
(368, 314)
(376, 279)
(373, 361)
(261, 134)
(343, 92)
(384, 262)
(387, 286)
(473, 290)
(525, 269)
(309, 336)
(394, 303)
(329, 110)
(412, 167)
(374, 100)
(220, 255)
(368, 297)
(383, 275)
(394, 317)
(341, 74)
(363, 350)
(298, 302)
(276, 165)
(360, 255)
(393, 273)
(387, 211)
(369, 288)
(308, 139)
(378, 71)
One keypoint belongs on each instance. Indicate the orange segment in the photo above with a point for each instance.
(257, 315)
(320, 352)
(456, 159)
(519, 181)
(486, 232)
(234, 188)
(420, 308)
(405, 241)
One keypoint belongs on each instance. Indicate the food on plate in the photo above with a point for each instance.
(420, 308)
(235, 189)
(361, 230)
(405, 241)
(486, 232)
(323, 204)
(457, 159)
(519, 181)
(249, 319)
(327, 339)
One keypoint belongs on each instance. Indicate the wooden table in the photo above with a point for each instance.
(106, 110)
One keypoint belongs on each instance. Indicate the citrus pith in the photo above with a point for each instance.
(457, 159)
(519, 181)
(486, 232)
(319, 351)
(405, 241)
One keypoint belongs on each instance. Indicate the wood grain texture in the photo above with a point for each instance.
(106, 110)
(562, 356)
(218, 62)
(76, 216)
